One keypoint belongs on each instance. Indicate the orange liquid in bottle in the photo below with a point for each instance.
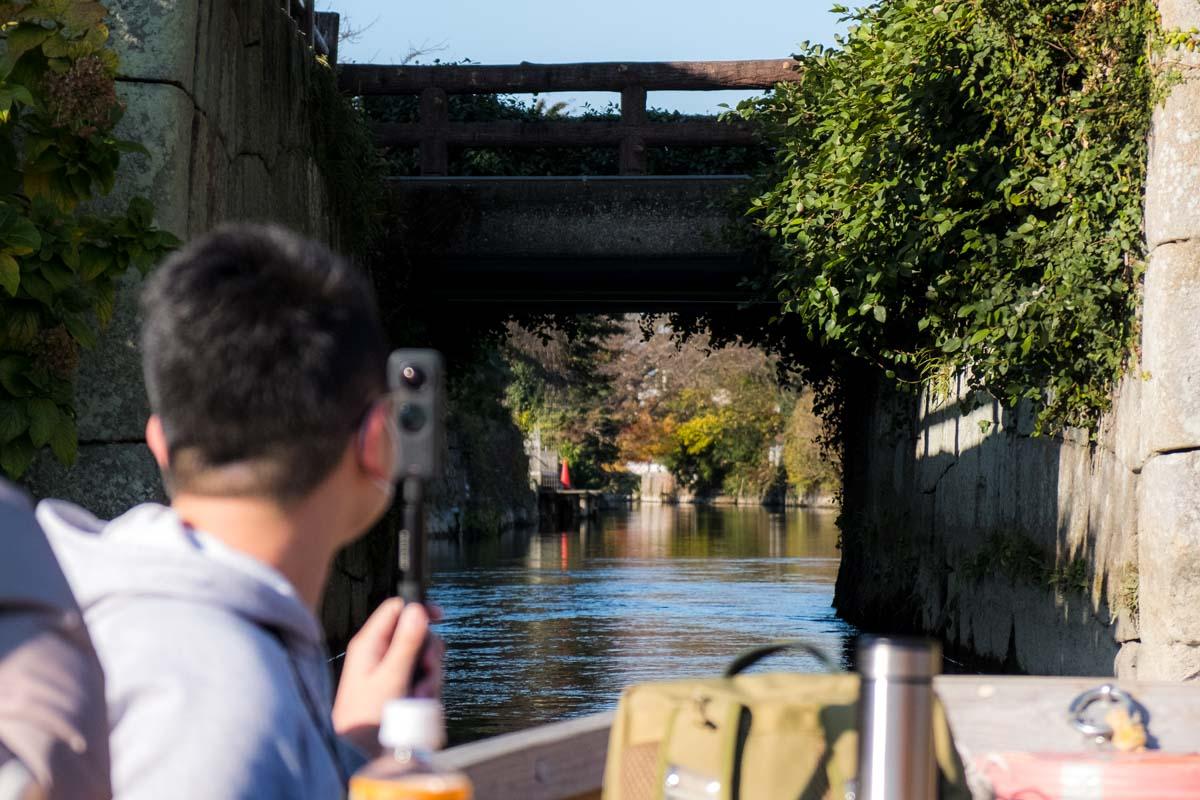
(411, 730)
(382, 781)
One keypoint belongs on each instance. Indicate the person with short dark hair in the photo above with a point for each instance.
(264, 361)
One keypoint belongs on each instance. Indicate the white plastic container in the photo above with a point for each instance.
(411, 731)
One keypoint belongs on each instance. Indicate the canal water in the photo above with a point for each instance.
(547, 626)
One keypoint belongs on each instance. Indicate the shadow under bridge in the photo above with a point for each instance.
(627, 242)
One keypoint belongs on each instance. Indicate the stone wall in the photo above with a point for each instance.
(217, 92)
(1169, 512)
(220, 94)
(1021, 551)
(485, 490)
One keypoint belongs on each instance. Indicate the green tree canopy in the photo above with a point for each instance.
(957, 186)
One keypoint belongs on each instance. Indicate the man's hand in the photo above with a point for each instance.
(380, 662)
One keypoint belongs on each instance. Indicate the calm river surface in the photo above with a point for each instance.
(546, 626)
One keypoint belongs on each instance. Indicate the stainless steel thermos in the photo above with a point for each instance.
(896, 760)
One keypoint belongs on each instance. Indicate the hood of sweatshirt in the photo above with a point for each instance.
(257, 705)
(149, 551)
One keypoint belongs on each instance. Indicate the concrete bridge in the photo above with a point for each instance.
(628, 242)
(587, 244)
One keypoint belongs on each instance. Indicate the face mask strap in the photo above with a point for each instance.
(393, 430)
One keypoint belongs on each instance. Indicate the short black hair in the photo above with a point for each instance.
(261, 351)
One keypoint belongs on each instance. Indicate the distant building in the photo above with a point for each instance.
(657, 484)
(775, 455)
(644, 467)
(544, 464)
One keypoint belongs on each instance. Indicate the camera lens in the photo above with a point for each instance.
(413, 376)
(412, 417)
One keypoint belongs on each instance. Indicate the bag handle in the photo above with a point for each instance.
(751, 657)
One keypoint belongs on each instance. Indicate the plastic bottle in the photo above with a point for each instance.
(412, 729)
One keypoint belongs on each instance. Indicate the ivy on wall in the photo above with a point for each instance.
(958, 186)
(350, 164)
(59, 265)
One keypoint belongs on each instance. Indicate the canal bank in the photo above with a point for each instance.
(1020, 552)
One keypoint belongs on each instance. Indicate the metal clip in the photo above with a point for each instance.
(1100, 732)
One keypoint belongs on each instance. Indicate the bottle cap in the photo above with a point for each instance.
(412, 723)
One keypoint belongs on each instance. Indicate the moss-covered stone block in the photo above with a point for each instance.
(157, 40)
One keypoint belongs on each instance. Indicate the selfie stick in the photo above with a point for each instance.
(414, 563)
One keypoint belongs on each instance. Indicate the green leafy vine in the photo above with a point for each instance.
(958, 186)
(59, 265)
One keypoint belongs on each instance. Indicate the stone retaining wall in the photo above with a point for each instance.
(1169, 417)
(220, 94)
(216, 90)
(1017, 550)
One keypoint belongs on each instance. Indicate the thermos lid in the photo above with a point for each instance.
(899, 658)
(412, 723)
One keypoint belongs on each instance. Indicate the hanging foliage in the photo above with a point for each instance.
(958, 186)
(59, 265)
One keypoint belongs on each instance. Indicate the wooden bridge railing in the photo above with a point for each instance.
(434, 133)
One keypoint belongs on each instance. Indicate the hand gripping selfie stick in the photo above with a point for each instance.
(417, 379)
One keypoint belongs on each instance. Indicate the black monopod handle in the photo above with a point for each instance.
(414, 559)
(414, 546)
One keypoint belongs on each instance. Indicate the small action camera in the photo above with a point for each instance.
(417, 381)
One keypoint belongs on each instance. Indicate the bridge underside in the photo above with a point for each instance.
(573, 244)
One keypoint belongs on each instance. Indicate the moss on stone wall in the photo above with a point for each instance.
(350, 164)
(1016, 556)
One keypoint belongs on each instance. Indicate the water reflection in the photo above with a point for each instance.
(545, 626)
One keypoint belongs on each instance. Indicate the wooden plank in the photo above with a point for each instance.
(561, 761)
(435, 158)
(567, 134)
(633, 116)
(992, 714)
(375, 79)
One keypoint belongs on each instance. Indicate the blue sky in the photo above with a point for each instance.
(511, 31)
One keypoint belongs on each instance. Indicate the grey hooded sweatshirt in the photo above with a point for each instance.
(53, 731)
(217, 681)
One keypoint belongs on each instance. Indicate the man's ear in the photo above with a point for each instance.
(376, 450)
(156, 440)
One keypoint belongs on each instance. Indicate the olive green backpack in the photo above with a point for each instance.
(748, 737)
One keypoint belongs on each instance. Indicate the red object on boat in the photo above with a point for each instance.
(1102, 776)
(565, 476)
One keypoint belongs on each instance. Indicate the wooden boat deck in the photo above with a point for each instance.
(988, 715)
(560, 761)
